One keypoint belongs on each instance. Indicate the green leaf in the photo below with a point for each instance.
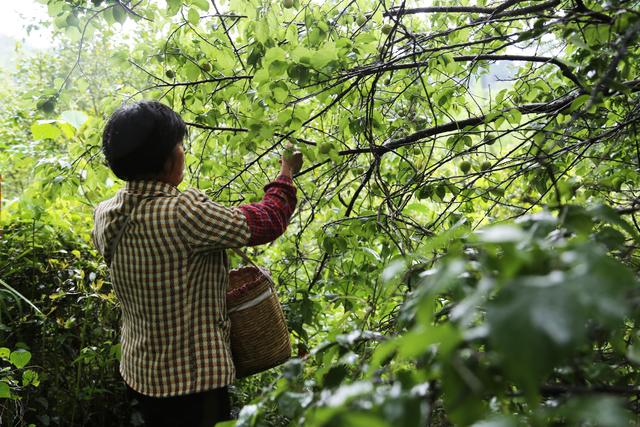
(202, 4)
(20, 296)
(280, 91)
(576, 218)
(193, 16)
(537, 321)
(323, 56)
(20, 358)
(274, 54)
(191, 71)
(45, 129)
(30, 377)
(602, 411)
(173, 7)
(530, 326)
(290, 403)
(5, 391)
(514, 116)
(420, 340)
(610, 237)
(462, 393)
(611, 216)
(75, 118)
(119, 13)
(498, 421)
(247, 416)
(358, 419)
(4, 353)
(335, 376)
(502, 234)
(277, 68)
(579, 102)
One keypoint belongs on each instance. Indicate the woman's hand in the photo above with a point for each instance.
(291, 162)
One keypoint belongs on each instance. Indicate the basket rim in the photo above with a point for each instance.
(261, 277)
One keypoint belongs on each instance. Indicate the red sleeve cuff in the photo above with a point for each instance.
(269, 218)
(285, 179)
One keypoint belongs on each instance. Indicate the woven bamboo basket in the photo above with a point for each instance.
(259, 334)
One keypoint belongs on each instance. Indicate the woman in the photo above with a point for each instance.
(169, 268)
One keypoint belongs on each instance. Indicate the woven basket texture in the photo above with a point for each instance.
(245, 284)
(259, 334)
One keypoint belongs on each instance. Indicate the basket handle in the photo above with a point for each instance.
(244, 257)
(248, 260)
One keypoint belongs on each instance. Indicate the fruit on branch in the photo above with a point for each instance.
(486, 165)
(375, 189)
(490, 139)
(170, 74)
(288, 152)
(441, 191)
(46, 105)
(72, 20)
(425, 192)
(206, 67)
(325, 148)
(288, 4)
(497, 191)
(386, 28)
(465, 166)
(361, 20)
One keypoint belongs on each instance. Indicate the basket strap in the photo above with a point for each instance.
(244, 257)
(248, 260)
(257, 300)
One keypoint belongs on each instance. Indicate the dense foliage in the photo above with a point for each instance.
(465, 247)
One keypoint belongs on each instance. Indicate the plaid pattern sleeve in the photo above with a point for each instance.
(269, 218)
(206, 224)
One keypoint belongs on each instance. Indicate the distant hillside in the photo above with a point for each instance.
(7, 52)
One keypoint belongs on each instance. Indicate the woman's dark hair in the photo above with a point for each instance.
(139, 138)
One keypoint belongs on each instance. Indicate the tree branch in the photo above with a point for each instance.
(554, 106)
(526, 10)
(496, 12)
(538, 108)
(226, 31)
(557, 390)
(440, 9)
(197, 82)
(216, 128)
(564, 68)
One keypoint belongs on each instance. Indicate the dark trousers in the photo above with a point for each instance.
(191, 410)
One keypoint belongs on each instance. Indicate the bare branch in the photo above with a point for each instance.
(554, 106)
(440, 9)
(226, 31)
(526, 10)
(495, 12)
(216, 128)
(564, 68)
(566, 71)
(197, 82)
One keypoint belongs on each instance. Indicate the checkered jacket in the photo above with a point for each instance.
(170, 275)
